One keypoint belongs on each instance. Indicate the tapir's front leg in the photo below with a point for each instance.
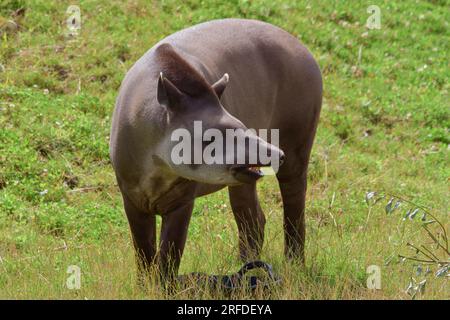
(174, 231)
(143, 231)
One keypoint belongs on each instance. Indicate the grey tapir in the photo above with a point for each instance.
(230, 73)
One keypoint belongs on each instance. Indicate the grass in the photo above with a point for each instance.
(384, 127)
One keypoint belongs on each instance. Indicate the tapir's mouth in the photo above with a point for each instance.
(247, 173)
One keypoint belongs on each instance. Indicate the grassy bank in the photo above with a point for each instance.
(384, 127)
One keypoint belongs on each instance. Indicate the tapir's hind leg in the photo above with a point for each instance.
(143, 231)
(292, 178)
(250, 219)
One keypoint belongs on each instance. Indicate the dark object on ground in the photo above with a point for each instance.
(235, 282)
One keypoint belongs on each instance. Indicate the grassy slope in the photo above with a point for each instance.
(384, 126)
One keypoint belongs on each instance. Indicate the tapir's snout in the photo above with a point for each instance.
(281, 158)
(267, 155)
(276, 154)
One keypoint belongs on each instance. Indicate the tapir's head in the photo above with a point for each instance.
(205, 143)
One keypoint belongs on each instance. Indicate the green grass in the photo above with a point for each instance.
(384, 127)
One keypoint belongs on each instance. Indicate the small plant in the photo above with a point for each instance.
(432, 253)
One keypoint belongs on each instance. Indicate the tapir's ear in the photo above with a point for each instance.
(221, 84)
(168, 94)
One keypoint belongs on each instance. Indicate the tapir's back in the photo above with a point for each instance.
(268, 67)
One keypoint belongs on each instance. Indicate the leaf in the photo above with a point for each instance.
(388, 208)
(424, 216)
(370, 195)
(419, 270)
(421, 286)
(413, 214)
(442, 271)
(407, 214)
(411, 290)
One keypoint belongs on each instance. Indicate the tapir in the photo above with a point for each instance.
(228, 74)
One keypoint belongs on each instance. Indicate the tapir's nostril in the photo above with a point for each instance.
(282, 156)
